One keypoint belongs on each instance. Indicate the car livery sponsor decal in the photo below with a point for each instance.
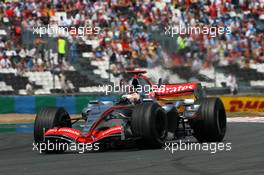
(172, 88)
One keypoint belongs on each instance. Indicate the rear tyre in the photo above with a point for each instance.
(150, 125)
(47, 118)
(210, 123)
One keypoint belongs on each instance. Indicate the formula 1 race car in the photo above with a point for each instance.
(176, 111)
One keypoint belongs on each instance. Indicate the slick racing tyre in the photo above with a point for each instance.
(149, 124)
(210, 123)
(47, 118)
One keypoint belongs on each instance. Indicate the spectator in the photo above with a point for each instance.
(63, 83)
(232, 84)
(61, 49)
(196, 65)
(29, 88)
(5, 62)
(73, 53)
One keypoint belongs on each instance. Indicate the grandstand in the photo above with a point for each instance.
(132, 36)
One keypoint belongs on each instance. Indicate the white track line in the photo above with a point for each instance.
(246, 119)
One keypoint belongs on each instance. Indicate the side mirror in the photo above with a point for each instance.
(160, 82)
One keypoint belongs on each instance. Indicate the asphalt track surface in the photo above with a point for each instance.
(246, 157)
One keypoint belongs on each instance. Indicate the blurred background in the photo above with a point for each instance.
(132, 35)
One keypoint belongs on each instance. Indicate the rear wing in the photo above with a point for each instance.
(172, 92)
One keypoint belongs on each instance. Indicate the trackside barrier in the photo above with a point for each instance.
(75, 104)
(32, 104)
(243, 103)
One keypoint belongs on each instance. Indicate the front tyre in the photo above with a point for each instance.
(47, 118)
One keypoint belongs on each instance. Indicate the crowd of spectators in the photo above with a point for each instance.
(243, 45)
(125, 38)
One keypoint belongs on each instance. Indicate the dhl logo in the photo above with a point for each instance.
(238, 105)
(243, 104)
